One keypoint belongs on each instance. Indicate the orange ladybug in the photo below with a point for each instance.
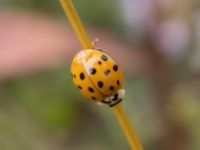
(98, 76)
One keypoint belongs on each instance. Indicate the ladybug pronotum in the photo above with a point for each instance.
(98, 76)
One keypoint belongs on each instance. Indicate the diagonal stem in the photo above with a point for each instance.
(86, 44)
(127, 128)
(76, 23)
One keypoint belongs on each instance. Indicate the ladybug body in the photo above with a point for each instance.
(96, 74)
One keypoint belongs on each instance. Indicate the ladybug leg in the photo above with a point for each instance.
(121, 93)
(107, 101)
(100, 103)
(114, 99)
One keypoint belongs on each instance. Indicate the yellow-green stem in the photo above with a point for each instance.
(127, 128)
(76, 23)
(87, 44)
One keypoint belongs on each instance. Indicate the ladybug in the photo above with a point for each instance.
(98, 76)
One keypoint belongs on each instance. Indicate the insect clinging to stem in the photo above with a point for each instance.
(98, 76)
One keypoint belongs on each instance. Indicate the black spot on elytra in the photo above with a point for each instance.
(99, 62)
(111, 88)
(74, 76)
(107, 72)
(90, 89)
(118, 82)
(100, 84)
(79, 87)
(115, 68)
(94, 98)
(82, 76)
(104, 57)
(92, 70)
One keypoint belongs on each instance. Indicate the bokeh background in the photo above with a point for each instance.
(155, 41)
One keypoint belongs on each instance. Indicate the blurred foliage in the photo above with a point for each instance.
(102, 13)
(47, 96)
(99, 13)
(42, 6)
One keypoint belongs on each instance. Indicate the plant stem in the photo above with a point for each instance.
(86, 44)
(127, 128)
(76, 23)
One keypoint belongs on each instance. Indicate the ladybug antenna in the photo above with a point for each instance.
(96, 40)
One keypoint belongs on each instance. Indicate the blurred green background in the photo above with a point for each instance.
(40, 109)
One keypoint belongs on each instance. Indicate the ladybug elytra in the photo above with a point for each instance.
(98, 76)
